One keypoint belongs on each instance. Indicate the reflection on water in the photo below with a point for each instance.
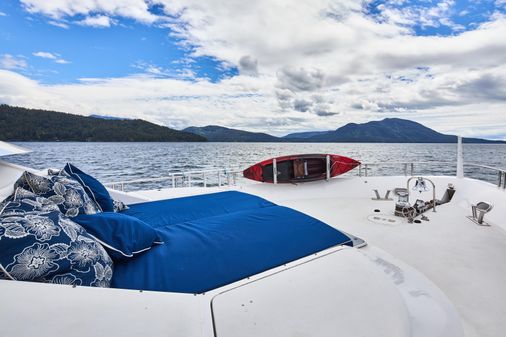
(124, 161)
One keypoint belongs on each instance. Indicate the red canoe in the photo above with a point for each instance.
(300, 168)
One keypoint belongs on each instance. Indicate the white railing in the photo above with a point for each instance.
(205, 178)
(408, 168)
(229, 177)
(501, 173)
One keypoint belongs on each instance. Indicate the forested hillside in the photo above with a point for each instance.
(21, 124)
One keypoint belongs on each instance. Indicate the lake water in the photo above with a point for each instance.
(125, 161)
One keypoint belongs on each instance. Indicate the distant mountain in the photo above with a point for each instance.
(304, 135)
(215, 133)
(109, 117)
(20, 124)
(389, 130)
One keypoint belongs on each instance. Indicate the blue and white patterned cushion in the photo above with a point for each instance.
(46, 246)
(24, 201)
(117, 206)
(67, 193)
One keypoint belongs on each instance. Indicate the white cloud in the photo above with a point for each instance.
(11, 62)
(60, 24)
(151, 70)
(3, 14)
(51, 56)
(303, 65)
(98, 21)
(45, 55)
(58, 9)
(248, 65)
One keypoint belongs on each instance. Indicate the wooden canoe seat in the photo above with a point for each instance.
(298, 168)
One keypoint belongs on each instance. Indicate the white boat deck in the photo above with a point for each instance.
(465, 260)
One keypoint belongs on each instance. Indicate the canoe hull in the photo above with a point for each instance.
(300, 168)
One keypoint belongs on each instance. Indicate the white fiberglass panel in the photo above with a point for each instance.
(340, 294)
(48, 310)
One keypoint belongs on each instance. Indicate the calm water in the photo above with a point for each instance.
(124, 161)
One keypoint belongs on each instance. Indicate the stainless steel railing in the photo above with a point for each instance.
(501, 173)
(204, 178)
(230, 177)
(408, 169)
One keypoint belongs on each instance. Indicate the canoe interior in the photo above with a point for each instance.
(307, 170)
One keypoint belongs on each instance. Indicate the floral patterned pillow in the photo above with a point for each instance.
(65, 192)
(46, 246)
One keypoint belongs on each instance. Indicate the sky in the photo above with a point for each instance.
(275, 66)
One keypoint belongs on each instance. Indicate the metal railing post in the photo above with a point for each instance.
(327, 165)
(405, 169)
(412, 168)
(366, 167)
(204, 176)
(360, 170)
(275, 171)
(219, 178)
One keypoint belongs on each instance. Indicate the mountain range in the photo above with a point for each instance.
(215, 133)
(388, 130)
(21, 124)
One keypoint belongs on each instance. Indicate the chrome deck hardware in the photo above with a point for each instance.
(387, 194)
(479, 210)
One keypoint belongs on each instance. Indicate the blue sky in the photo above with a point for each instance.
(270, 65)
(126, 48)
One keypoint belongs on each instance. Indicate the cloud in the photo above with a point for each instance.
(60, 24)
(300, 79)
(133, 9)
(97, 21)
(3, 14)
(44, 54)
(491, 87)
(418, 15)
(51, 56)
(248, 65)
(152, 70)
(302, 105)
(11, 62)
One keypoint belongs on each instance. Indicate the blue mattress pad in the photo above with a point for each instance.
(172, 211)
(219, 239)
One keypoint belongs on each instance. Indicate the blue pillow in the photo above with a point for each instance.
(24, 202)
(46, 246)
(94, 188)
(122, 235)
(64, 191)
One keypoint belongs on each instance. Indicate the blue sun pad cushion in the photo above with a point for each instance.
(46, 246)
(123, 236)
(210, 252)
(172, 211)
(93, 188)
(67, 193)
